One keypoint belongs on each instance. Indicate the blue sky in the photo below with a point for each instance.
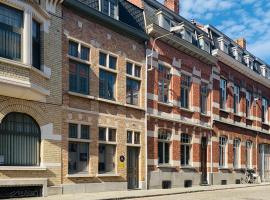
(236, 18)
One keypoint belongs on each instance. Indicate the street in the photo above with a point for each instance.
(253, 193)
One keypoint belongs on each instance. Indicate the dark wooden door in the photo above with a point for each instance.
(204, 160)
(133, 167)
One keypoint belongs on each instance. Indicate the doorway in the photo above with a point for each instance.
(133, 167)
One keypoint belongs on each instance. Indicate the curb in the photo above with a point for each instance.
(186, 192)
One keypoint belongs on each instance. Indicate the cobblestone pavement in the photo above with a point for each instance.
(253, 193)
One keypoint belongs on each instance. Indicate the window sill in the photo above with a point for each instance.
(107, 142)
(224, 168)
(224, 110)
(249, 118)
(108, 69)
(79, 176)
(186, 110)
(205, 115)
(265, 123)
(135, 107)
(109, 101)
(237, 115)
(133, 145)
(169, 104)
(22, 168)
(133, 77)
(107, 175)
(81, 95)
(187, 167)
(78, 60)
(20, 64)
(165, 166)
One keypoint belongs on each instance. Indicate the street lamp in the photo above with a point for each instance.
(172, 31)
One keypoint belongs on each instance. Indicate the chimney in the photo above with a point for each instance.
(242, 43)
(172, 5)
(137, 3)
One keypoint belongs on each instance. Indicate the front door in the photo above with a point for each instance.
(204, 160)
(133, 167)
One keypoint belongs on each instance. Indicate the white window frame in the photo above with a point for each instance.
(249, 148)
(204, 95)
(223, 90)
(109, 14)
(132, 143)
(223, 141)
(265, 109)
(188, 89)
(236, 99)
(189, 144)
(167, 141)
(237, 150)
(80, 45)
(169, 79)
(248, 103)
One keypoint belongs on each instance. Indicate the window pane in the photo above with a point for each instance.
(85, 53)
(167, 152)
(106, 84)
(84, 79)
(72, 76)
(78, 77)
(112, 62)
(160, 152)
(102, 59)
(73, 49)
(11, 16)
(129, 137)
(36, 44)
(132, 91)
(129, 68)
(112, 135)
(73, 130)
(106, 159)
(113, 8)
(84, 132)
(105, 7)
(137, 71)
(102, 134)
(137, 138)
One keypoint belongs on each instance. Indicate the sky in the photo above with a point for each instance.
(236, 18)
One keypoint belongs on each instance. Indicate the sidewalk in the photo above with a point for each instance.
(146, 193)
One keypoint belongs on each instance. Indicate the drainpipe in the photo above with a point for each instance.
(145, 107)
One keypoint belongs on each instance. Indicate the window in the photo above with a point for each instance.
(107, 149)
(133, 137)
(203, 99)
(222, 151)
(185, 87)
(164, 79)
(11, 24)
(107, 84)
(133, 83)
(248, 103)
(109, 7)
(185, 149)
(19, 140)
(236, 98)
(78, 77)
(164, 137)
(264, 110)
(78, 150)
(223, 93)
(249, 154)
(78, 50)
(236, 153)
(36, 50)
(107, 60)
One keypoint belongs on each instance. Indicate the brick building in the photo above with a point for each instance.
(103, 96)
(208, 103)
(30, 97)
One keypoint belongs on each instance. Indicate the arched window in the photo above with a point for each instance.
(19, 140)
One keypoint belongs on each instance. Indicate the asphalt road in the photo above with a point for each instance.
(253, 193)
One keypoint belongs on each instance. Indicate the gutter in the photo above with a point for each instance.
(116, 25)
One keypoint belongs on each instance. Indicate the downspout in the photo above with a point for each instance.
(145, 117)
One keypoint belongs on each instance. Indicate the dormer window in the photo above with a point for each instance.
(223, 45)
(164, 21)
(237, 53)
(263, 70)
(109, 7)
(249, 61)
(204, 43)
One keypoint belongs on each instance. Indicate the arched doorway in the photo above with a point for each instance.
(19, 140)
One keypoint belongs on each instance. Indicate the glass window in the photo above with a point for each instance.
(73, 130)
(248, 103)
(78, 77)
(112, 135)
(222, 151)
(249, 154)
(85, 53)
(236, 98)
(164, 137)
(185, 149)
(11, 24)
(78, 157)
(236, 153)
(73, 49)
(109, 7)
(36, 51)
(102, 134)
(133, 90)
(137, 137)
(85, 132)
(137, 71)
(103, 59)
(164, 79)
(203, 99)
(129, 67)
(264, 110)
(106, 158)
(185, 88)
(106, 84)
(223, 93)
(129, 137)
(112, 62)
